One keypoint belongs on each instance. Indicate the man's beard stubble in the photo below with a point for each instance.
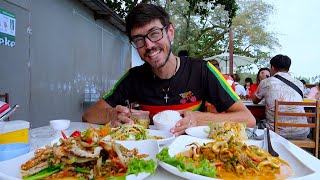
(168, 55)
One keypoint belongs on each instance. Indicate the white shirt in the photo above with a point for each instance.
(240, 89)
(274, 89)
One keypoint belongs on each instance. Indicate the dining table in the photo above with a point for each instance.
(38, 137)
(257, 110)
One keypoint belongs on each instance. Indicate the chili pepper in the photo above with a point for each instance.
(89, 141)
(63, 135)
(76, 134)
(121, 166)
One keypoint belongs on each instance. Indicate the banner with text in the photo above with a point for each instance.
(7, 28)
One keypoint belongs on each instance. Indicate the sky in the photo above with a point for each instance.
(298, 25)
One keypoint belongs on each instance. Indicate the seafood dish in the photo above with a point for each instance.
(86, 155)
(228, 160)
(223, 131)
(131, 132)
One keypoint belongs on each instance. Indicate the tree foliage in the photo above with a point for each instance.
(202, 26)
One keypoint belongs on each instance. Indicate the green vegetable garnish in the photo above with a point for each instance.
(79, 169)
(45, 172)
(204, 167)
(140, 165)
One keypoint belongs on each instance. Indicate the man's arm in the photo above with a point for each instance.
(255, 99)
(102, 113)
(238, 112)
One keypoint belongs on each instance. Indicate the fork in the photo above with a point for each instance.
(129, 106)
(253, 134)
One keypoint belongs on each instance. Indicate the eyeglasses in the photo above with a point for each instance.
(153, 36)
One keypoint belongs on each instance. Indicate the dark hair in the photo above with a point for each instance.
(214, 62)
(261, 69)
(236, 77)
(143, 14)
(281, 62)
(303, 81)
(183, 53)
(248, 80)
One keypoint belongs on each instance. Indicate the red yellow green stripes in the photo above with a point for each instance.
(194, 106)
(223, 82)
(105, 96)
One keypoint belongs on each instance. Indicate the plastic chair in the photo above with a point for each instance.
(305, 143)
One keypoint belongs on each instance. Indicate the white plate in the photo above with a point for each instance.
(144, 147)
(179, 145)
(167, 136)
(198, 131)
(202, 132)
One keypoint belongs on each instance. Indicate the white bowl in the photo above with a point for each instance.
(166, 120)
(60, 124)
(12, 150)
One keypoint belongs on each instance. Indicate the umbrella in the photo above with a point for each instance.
(238, 60)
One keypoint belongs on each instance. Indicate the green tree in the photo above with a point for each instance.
(251, 36)
(209, 34)
(202, 26)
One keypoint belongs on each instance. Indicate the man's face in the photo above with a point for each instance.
(155, 53)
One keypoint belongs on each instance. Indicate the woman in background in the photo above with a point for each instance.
(263, 73)
(247, 83)
(314, 92)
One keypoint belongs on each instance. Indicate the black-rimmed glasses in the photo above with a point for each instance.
(153, 36)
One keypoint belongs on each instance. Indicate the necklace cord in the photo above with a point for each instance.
(168, 89)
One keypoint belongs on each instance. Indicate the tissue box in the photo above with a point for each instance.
(16, 131)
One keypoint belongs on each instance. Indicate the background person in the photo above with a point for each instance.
(247, 83)
(306, 90)
(239, 88)
(165, 81)
(274, 89)
(183, 53)
(314, 92)
(229, 79)
(263, 73)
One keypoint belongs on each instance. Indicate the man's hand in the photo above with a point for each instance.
(120, 116)
(188, 120)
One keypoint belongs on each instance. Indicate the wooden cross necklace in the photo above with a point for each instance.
(166, 97)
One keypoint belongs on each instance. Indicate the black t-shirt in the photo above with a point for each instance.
(195, 82)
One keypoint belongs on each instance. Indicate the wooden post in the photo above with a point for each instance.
(230, 52)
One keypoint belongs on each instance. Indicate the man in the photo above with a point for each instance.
(274, 89)
(166, 81)
(183, 53)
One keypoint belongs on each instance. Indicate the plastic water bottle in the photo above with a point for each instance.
(94, 94)
(86, 92)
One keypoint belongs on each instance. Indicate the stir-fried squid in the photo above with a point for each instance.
(86, 156)
(236, 158)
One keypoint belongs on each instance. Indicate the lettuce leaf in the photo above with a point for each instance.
(204, 167)
(141, 165)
